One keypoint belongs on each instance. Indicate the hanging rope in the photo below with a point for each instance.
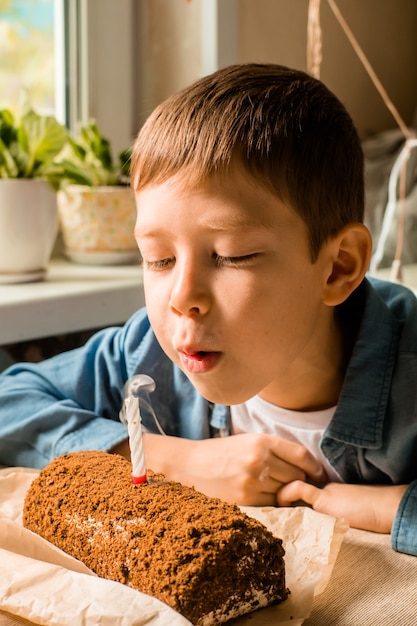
(355, 45)
(314, 39)
(399, 170)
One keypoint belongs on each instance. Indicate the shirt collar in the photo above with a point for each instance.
(361, 409)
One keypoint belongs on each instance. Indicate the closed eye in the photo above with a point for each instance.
(160, 264)
(235, 261)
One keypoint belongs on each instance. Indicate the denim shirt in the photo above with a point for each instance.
(71, 402)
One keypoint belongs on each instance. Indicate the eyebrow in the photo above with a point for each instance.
(214, 227)
(236, 224)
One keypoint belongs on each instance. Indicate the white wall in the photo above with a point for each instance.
(112, 66)
(275, 30)
(142, 50)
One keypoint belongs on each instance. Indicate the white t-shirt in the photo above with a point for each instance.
(258, 416)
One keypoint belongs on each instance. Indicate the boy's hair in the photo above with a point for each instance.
(283, 127)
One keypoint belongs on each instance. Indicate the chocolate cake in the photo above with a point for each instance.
(206, 559)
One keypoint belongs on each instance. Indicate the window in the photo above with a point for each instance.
(30, 54)
(74, 59)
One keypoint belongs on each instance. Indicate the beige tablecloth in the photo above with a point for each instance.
(371, 585)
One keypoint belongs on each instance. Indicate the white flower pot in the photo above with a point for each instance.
(97, 224)
(28, 229)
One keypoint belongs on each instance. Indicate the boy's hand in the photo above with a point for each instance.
(369, 507)
(247, 469)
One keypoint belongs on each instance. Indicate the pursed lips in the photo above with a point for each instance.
(199, 361)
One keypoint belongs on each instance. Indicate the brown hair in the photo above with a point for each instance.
(285, 128)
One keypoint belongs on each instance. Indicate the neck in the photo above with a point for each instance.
(315, 381)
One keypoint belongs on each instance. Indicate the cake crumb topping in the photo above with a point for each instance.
(205, 558)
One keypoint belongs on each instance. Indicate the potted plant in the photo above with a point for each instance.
(95, 202)
(28, 183)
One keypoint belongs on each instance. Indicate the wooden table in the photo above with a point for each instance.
(371, 585)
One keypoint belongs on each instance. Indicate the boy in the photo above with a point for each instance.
(260, 323)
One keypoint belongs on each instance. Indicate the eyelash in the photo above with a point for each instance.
(220, 261)
(234, 260)
(158, 265)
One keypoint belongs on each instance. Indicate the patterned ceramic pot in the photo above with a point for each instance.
(97, 224)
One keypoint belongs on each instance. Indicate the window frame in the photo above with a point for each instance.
(95, 72)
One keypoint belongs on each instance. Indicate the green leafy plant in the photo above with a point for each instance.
(87, 160)
(29, 145)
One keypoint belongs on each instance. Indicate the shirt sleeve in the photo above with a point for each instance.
(404, 530)
(69, 402)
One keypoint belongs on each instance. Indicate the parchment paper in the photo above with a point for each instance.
(47, 586)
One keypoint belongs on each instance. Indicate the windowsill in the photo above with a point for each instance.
(72, 297)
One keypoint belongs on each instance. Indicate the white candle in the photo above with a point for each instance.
(130, 415)
(134, 429)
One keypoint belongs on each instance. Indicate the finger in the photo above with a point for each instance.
(296, 491)
(262, 499)
(270, 485)
(252, 492)
(281, 472)
(258, 489)
(296, 456)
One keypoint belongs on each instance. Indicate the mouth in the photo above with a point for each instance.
(199, 362)
(199, 355)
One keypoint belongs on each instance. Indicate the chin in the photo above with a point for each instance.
(219, 395)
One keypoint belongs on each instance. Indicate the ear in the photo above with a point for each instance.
(349, 254)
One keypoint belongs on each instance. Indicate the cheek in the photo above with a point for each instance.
(163, 332)
(156, 289)
(282, 314)
(155, 301)
(157, 298)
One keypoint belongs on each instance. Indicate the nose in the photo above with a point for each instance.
(190, 293)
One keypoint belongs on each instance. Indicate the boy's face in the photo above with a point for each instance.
(231, 291)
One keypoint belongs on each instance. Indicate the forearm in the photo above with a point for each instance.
(45, 413)
(32, 433)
